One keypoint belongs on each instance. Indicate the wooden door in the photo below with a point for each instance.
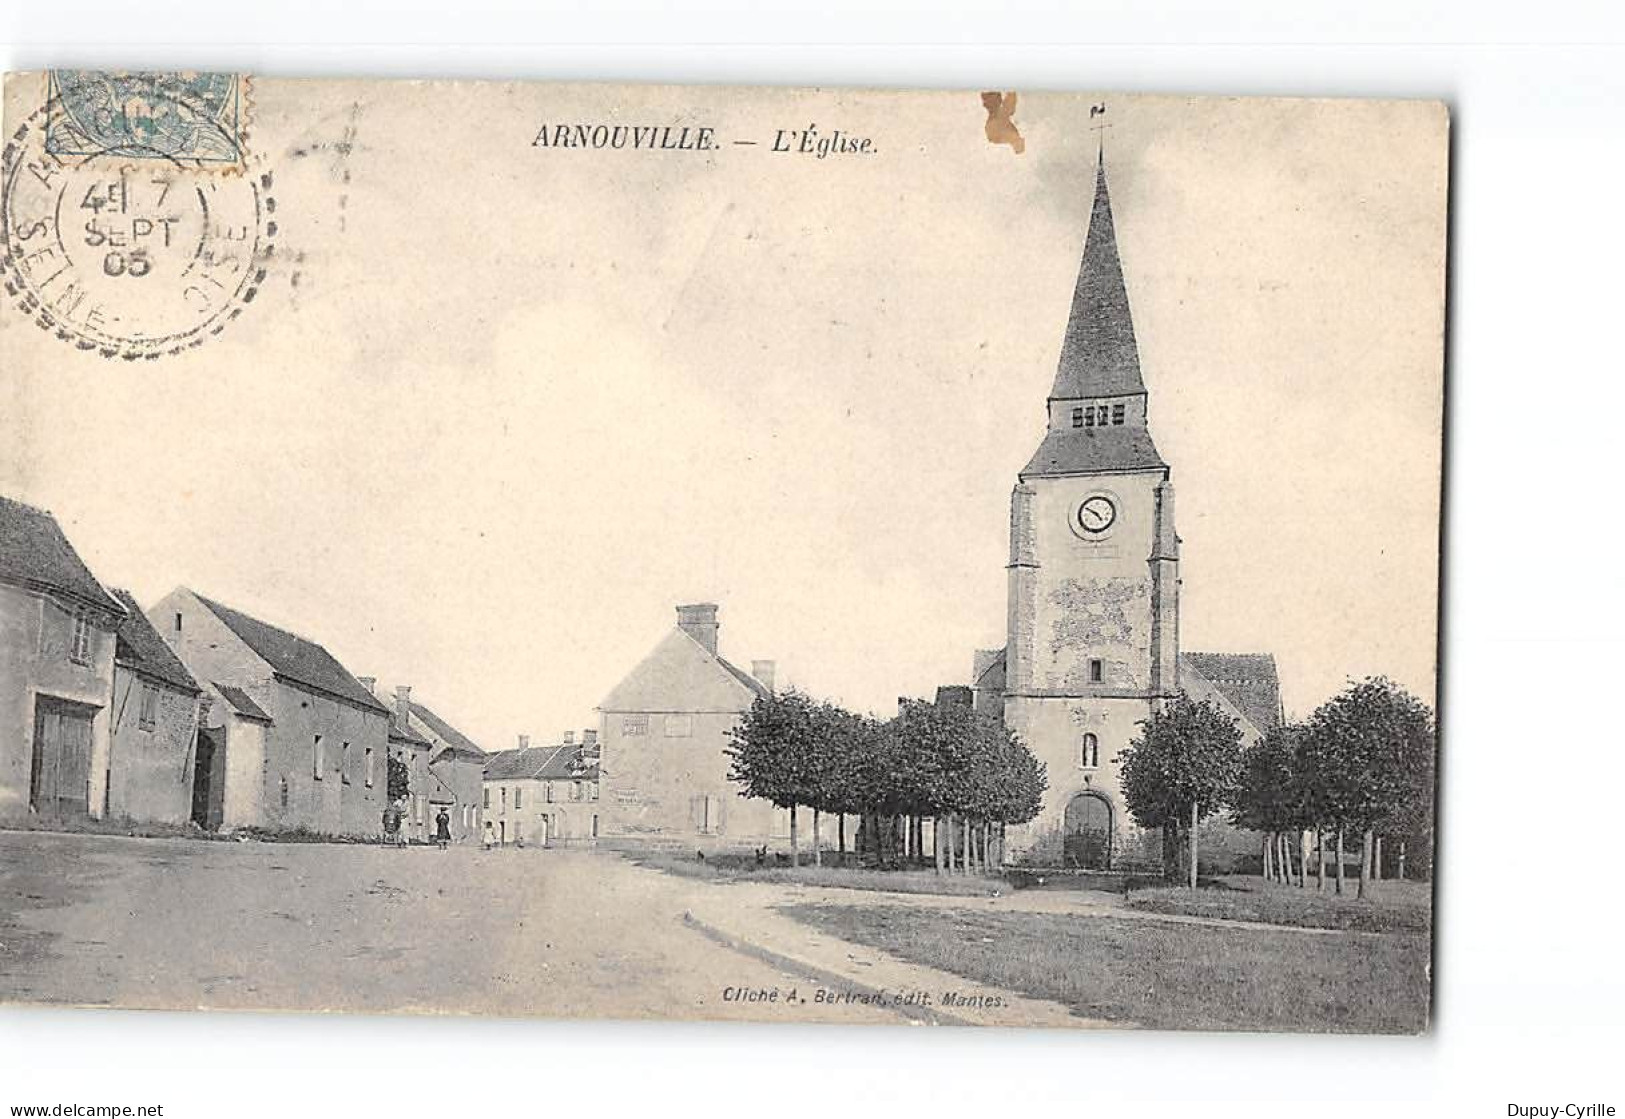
(59, 776)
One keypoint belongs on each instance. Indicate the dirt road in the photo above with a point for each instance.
(183, 923)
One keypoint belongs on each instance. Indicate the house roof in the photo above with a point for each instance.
(540, 763)
(681, 674)
(1094, 450)
(140, 648)
(400, 732)
(296, 659)
(745, 678)
(454, 739)
(35, 553)
(1099, 356)
(242, 703)
(994, 675)
(1247, 680)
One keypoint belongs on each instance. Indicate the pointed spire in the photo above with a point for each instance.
(1099, 356)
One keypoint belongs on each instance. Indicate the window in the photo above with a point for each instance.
(503, 790)
(177, 621)
(518, 796)
(1090, 758)
(1097, 672)
(679, 726)
(595, 825)
(575, 790)
(79, 651)
(485, 801)
(318, 759)
(344, 763)
(1077, 417)
(548, 790)
(634, 725)
(592, 790)
(518, 832)
(1117, 414)
(282, 791)
(149, 706)
(1088, 417)
(1100, 414)
(366, 766)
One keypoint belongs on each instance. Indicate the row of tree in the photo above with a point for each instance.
(946, 763)
(1362, 764)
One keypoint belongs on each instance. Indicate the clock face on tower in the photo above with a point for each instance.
(1094, 516)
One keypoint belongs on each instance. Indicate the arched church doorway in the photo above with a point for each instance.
(1088, 839)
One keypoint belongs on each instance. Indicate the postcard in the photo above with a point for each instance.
(636, 551)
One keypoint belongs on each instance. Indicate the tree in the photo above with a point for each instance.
(1366, 761)
(774, 755)
(1183, 766)
(1268, 798)
(397, 779)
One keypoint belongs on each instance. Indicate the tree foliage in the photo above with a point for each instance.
(1366, 759)
(1269, 796)
(931, 759)
(1187, 753)
(397, 778)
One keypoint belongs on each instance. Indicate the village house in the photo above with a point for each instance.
(295, 741)
(665, 733)
(458, 763)
(58, 641)
(544, 796)
(446, 768)
(156, 709)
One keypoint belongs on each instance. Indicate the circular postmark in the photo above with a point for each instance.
(120, 233)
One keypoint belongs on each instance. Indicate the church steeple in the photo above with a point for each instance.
(1097, 407)
(1099, 356)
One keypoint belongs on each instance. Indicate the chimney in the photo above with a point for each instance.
(370, 683)
(589, 738)
(764, 671)
(699, 621)
(403, 706)
(569, 738)
(524, 741)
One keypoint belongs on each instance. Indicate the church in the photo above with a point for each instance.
(1092, 630)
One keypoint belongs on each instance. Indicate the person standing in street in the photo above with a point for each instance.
(442, 828)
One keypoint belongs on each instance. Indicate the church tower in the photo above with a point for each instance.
(1093, 626)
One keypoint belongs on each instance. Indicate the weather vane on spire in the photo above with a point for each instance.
(1098, 129)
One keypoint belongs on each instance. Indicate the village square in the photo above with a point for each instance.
(1093, 826)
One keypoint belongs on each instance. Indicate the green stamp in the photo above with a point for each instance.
(174, 116)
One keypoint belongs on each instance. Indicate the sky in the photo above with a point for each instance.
(499, 408)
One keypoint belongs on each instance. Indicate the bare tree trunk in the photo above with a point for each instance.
(1340, 860)
(795, 850)
(1194, 819)
(1401, 867)
(1001, 843)
(1285, 860)
(840, 836)
(1376, 862)
(936, 842)
(1366, 844)
(818, 839)
(1303, 859)
(1269, 841)
(1320, 861)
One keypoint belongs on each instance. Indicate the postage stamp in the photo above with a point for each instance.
(147, 115)
(118, 238)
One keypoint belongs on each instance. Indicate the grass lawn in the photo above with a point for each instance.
(1388, 907)
(726, 867)
(1157, 974)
